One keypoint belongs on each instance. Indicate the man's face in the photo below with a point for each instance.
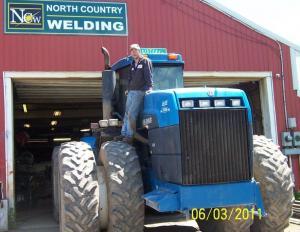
(135, 53)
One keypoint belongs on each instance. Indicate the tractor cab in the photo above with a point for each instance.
(167, 74)
(167, 68)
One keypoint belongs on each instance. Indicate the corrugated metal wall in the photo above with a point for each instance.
(208, 40)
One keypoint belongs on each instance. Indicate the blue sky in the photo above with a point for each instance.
(279, 16)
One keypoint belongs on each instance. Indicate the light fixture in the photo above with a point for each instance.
(25, 108)
(53, 123)
(172, 56)
(38, 141)
(57, 113)
(61, 139)
(235, 102)
(113, 122)
(219, 103)
(52, 129)
(204, 103)
(85, 130)
(103, 123)
(27, 125)
(187, 103)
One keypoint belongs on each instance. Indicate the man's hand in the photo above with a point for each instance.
(149, 91)
(126, 92)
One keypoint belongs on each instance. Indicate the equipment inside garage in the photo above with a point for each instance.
(253, 94)
(48, 112)
(252, 90)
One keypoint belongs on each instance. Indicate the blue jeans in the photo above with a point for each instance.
(134, 104)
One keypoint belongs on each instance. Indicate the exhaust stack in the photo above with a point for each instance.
(106, 58)
(108, 85)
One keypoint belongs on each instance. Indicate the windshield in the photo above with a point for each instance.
(167, 77)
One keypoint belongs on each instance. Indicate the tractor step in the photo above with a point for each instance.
(158, 199)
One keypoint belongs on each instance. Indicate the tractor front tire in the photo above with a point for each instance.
(122, 173)
(275, 177)
(55, 183)
(79, 189)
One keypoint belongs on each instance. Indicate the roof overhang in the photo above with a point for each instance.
(241, 19)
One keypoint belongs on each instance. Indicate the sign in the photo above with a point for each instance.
(65, 17)
(154, 51)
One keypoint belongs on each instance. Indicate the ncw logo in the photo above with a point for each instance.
(25, 16)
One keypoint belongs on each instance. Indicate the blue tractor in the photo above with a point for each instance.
(194, 153)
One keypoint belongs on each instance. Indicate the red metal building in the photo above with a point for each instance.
(216, 44)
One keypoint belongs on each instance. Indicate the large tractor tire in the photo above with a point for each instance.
(275, 177)
(122, 174)
(227, 225)
(79, 189)
(55, 183)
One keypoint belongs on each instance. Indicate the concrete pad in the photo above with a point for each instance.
(36, 219)
(41, 220)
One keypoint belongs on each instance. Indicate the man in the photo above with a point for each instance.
(139, 82)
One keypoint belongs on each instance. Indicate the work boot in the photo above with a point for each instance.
(119, 138)
(128, 140)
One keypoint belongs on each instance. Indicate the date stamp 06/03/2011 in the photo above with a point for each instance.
(225, 214)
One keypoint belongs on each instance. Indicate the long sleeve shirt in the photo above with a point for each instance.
(140, 75)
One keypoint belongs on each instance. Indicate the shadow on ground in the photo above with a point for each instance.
(170, 228)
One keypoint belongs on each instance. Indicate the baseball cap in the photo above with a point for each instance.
(134, 46)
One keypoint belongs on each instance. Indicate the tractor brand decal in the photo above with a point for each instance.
(211, 92)
(154, 51)
(65, 17)
(164, 107)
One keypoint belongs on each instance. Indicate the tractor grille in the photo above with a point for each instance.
(215, 146)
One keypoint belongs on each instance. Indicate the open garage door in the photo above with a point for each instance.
(258, 87)
(56, 107)
(77, 96)
(43, 110)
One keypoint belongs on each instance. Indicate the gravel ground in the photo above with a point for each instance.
(41, 220)
(189, 226)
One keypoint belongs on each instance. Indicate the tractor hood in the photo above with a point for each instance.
(161, 107)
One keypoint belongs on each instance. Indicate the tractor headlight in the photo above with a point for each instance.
(187, 103)
(113, 122)
(235, 102)
(103, 123)
(204, 103)
(219, 103)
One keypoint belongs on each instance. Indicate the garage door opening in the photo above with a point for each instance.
(76, 96)
(258, 87)
(46, 112)
(252, 91)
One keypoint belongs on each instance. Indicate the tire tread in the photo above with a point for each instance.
(79, 194)
(125, 187)
(272, 171)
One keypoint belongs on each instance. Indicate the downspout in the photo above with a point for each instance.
(284, 97)
(283, 85)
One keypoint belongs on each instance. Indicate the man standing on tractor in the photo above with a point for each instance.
(139, 82)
